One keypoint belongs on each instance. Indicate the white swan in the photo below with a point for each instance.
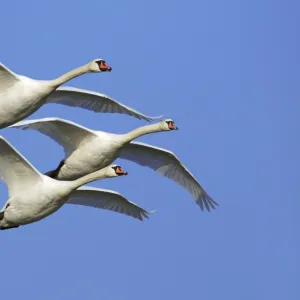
(21, 96)
(89, 150)
(34, 196)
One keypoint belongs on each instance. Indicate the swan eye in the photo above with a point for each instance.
(99, 62)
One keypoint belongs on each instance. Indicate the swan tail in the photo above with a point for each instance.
(51, 174)
(55, 172)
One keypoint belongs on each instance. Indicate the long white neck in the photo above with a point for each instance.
(101, 174)
(128, 137)
(70, 75)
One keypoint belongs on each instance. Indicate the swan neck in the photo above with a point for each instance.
(70, 75)
(138, 132)
(98, 175)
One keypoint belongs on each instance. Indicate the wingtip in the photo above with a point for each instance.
(145, 215)
(200, 204)
(150, 119)
(206, 203)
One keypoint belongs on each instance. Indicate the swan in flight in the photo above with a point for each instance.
(21, 96)
(34, 196)
(88, 150)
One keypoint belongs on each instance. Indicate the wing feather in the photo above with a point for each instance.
(168, 165)
(15, 170)
(66, 133)
(7, 78)
(106, 199)
(94, 101)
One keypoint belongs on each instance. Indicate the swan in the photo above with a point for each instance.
(21, 96)
(34, 196)
(88, 150)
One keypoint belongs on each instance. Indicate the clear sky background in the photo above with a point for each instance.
(227, 72)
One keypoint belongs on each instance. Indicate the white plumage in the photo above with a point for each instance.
(106, 199)
(21, 96)
(89, 150)
(34, 196)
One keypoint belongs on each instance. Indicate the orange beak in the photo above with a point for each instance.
(120, 172)
(104, 67)
(172, 126)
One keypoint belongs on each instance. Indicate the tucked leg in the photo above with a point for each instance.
(4, 228)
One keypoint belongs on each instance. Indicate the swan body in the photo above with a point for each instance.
(34, 196)
(21, 100)
(21, 96)
(89, 150)
(35, 202)
(94, 154)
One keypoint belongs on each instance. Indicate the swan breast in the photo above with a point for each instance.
(36, 203)
(22, 99)
(93, 155)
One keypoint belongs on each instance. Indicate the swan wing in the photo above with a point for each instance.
(106, 199)
(15, 170)
(167, 164)
(7, 78)
(66, 133)
(94, 101)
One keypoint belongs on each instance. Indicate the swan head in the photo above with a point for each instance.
(99, 65)
(167, 125)
(115, 171)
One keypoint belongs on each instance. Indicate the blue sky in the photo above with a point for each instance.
(227, 72)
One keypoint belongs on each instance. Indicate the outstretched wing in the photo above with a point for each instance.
(93, 101)
(106, 199)
(7, 78)
(167, 164)
(15, 170)
(66, 133)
